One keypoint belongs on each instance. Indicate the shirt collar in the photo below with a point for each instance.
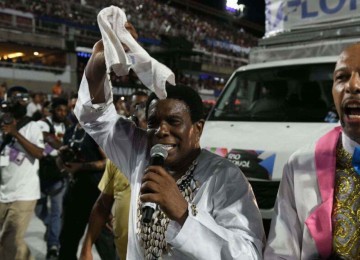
(348, 144)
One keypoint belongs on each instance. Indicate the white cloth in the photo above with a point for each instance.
(19, 180)
(152, 73)
(228, 224)
(32, 108)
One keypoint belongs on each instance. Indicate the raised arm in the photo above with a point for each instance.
(95, 70)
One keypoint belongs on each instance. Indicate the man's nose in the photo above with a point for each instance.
(162, 130)
(354, 84)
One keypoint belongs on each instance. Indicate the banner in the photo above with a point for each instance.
(254, 164)
(286, 15)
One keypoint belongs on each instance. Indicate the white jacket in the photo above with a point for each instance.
(301, 227)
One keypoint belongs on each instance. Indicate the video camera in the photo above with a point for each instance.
(10, 102)
(7, 107)
(7, 117)
(71, 153)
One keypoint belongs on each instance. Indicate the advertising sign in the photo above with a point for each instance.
(285, 15)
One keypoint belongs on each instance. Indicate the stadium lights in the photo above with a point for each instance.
(15, 55)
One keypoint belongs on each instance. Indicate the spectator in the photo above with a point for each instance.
(57, 89)
(3, 90)
(52, 180)
(85, 162)
(22, 144)
(34, 107)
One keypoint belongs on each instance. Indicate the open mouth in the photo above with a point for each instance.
(352, 111)
(168, 147)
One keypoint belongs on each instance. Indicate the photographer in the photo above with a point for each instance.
(22, 146)
(82, 158)
(52, 180)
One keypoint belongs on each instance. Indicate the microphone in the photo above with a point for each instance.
(158, 154)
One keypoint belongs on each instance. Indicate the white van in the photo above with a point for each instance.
(265, 113)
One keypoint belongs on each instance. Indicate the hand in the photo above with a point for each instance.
(9, 128)
(131, 30)
(159, 186)
(73, 167)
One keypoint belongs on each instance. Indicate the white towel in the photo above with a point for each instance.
(152, 73)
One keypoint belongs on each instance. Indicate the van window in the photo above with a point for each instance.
(300, 93)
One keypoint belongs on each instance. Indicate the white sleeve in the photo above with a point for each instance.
(44, 127)
(284, 240)
(227, 225)
(37, 136)
(118, 137)
(30, 109)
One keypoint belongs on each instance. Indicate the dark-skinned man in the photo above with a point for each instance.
(19, 183)
(316, 213)
(206, 208)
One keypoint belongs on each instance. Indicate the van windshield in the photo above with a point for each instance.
(300, 93)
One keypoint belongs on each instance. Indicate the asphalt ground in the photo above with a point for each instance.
(35, 239)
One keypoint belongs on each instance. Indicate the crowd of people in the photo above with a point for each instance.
(153, 19)
(63, 186)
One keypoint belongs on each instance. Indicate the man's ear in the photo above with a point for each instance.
(199, 126)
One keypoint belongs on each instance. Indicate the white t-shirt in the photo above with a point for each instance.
(19, 180)
(32, 108)
(59, 133)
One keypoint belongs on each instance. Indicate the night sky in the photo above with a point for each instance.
(255, 8)
(256, 11)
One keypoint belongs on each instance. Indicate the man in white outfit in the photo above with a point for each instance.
(318, 204)
(206, 208)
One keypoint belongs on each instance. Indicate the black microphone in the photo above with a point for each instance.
(158, 154)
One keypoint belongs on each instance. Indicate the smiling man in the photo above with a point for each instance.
(316, 213)
(205, 206)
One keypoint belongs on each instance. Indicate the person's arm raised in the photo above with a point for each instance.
(95, 70)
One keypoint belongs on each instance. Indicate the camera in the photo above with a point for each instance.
(6, 118)
(13, 107)
(71, 153)
(10, 102)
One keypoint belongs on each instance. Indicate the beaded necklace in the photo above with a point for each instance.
(152, 235)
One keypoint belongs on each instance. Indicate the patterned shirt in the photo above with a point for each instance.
(346, 211)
